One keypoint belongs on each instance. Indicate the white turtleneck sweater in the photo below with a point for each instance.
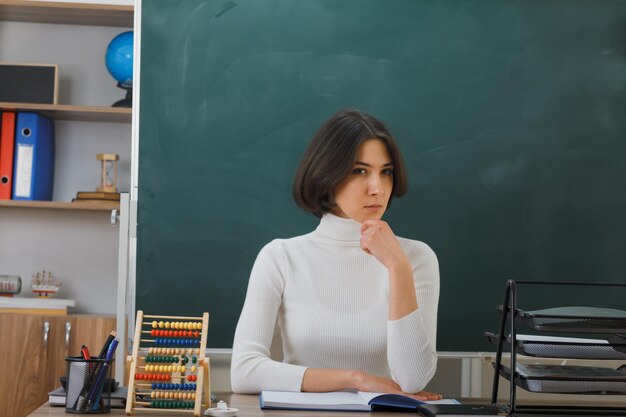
(330, 302)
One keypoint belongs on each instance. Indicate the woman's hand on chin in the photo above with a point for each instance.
(378, 239)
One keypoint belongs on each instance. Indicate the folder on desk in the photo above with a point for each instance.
(33, 166)
(7, 142)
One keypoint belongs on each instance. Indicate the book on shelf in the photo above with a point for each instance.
(95, 203)
(24, 305)
(365, 401)
(96, 195)
(118, 397)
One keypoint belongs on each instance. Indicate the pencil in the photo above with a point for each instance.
(105, 348)
(94, 372)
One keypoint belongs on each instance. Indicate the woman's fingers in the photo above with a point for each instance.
(428, 396)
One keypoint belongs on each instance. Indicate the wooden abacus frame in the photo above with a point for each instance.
(203, 367)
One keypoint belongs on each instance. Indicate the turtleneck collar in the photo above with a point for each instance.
(339, 229)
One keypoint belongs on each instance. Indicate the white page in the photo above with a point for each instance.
(314, 398)
(367, 397)
(539, 338)
(327, 399)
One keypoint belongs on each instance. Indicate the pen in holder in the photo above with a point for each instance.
(88, 385)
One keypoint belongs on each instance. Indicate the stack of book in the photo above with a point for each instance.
(118, 397)
(96, 197)
(47, 306)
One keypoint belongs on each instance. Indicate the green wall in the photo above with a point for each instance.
(510, 115)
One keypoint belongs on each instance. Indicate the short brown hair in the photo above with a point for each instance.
(331, 155)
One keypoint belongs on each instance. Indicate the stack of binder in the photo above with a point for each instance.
(561, 379)
(26, 156)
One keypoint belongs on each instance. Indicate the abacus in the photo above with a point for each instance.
(168, 368)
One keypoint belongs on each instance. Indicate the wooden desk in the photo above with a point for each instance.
(248, 406)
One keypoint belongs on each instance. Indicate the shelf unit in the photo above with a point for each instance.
(66, 13)
(62, 205)
(561, 379)
(85, 130)
(75, 113)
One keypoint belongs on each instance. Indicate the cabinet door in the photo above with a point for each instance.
(25, 351)
(91, 331)
(58, 350)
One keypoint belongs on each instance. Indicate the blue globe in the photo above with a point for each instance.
(119, 58)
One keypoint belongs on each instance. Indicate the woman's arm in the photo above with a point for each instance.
(252, 370)
(322, 380)
(413, 301)
(378, 240)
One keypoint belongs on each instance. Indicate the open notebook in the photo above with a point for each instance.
(369, 401)
(339, 401)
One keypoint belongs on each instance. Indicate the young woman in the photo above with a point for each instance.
(351, 305)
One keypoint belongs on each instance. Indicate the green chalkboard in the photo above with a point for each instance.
(511, 116)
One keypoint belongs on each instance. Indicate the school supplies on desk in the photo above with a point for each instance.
(168, 367)
(118, 397)
(87, 387)
(96, 390)
(342, 401)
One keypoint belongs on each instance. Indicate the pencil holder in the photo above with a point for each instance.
(88, 385)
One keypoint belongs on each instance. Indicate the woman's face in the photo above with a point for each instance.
(364, 193)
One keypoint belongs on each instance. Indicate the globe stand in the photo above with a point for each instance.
(128, 100)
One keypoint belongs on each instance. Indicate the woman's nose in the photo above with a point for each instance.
(375, 185)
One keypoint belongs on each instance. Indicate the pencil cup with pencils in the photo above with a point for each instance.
(88, 385)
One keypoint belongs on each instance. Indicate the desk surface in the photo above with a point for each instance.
(248, 406)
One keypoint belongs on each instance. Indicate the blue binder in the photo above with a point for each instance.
(33, 167)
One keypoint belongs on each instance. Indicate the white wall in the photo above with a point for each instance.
(79, 247)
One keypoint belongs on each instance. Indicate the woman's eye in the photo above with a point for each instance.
(387, 171)
(359, 171)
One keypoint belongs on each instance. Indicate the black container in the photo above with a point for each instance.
(87, 389)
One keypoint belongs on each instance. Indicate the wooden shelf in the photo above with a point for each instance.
(63, 205)
(79, 113)
(66, 13)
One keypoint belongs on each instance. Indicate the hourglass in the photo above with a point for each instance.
(108, 172)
